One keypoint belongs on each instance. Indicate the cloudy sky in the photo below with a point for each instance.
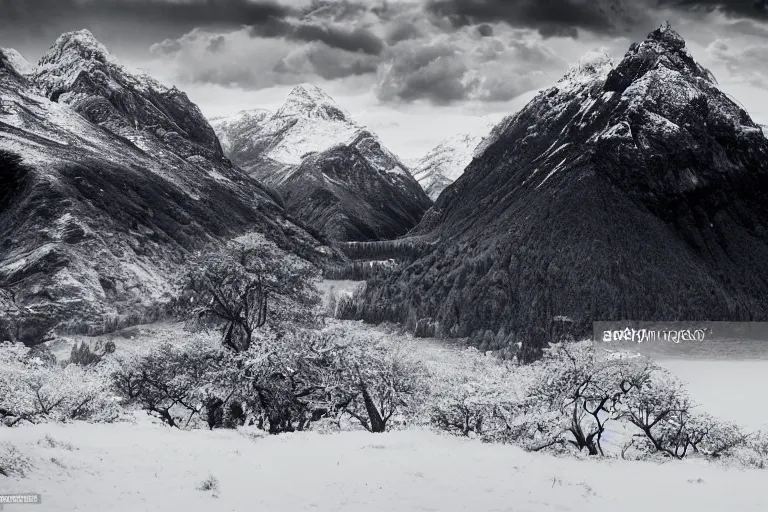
(415, 71)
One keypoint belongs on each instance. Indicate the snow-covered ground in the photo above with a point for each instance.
(733, 390)
(142, 465)
(138, 467)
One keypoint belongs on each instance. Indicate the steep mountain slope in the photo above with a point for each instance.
(334, 175)
(109, 181)
(635, 192)
(343, 194)
(238, 130)
(446, 162)
(79, 71)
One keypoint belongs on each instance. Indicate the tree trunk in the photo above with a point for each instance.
(378, 424)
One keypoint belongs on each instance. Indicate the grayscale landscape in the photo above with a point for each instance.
(322, 255)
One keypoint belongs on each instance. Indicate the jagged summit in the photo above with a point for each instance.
(310, 92)
(663, 49)
(668, 35)
(80, 45)
(73, 55)
(79, 71)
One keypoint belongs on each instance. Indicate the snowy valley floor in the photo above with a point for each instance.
(143, 466)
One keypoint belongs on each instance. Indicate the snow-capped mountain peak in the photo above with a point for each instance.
(79, 45)
(307, 100)
(446, 162)
(308, 122)
(80, 72)
(663, 51)
(651, 150)
(665, 32)
(333, 173)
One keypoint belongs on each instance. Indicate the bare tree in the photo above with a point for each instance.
(587, 386)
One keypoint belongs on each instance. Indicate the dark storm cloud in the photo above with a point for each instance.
(564, 18)
(335, 36)
(402, 30)
(433, 73)
(485, 30)
(461, 67)
(216, 44)
(326, 62)
(742, 8)
(550, 17)
(183, 16)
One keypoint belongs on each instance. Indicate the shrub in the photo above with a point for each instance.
(467, 400)
(584, 388)
(34, 390)
(13, 462)
(83, 355)
(569, 396)
(180, 384)
(280, 382)
(209, 484)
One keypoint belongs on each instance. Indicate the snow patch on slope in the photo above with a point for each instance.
(447, 162)
(244, 120)
(17, 61)
(594, 64)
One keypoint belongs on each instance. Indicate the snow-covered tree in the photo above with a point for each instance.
(470, 400)
(288, 378)
(378, 378)
(666, 416)
(245, 285)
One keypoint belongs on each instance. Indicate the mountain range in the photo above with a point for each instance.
(109, 181)
(333, 174)
(634, 191)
